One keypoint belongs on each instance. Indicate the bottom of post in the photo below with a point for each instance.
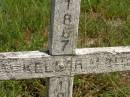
(61, 86)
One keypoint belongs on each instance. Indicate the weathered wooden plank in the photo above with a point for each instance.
(61, 86)
(36, 64)
(101, 60)
(64, 26)
(112, 50)
(23, 55)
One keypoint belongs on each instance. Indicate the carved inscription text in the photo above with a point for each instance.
(67, 27)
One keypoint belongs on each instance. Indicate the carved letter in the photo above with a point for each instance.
(78, 64)
(59, 66)
(27, 68)
(69, 2)
(48, 67)
(7, 68)
(65, 44)
(65, 34)
(67, 19)
(38, 68)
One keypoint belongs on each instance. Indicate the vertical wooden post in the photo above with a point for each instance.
(62, 41)
(60, 86)
(64, 27)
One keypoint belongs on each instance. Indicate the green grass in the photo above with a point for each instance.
(104, 23)
(24, 26)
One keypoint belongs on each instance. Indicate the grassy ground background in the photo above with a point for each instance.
(24, 26)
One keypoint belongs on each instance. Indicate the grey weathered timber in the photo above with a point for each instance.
(36, 64)
(61, 86)
(64, 26)
(101, 60)
(62, 41)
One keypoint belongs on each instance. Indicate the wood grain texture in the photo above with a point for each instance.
(62, 41)
(64, 26)
(101, 60)
(36, 64)
(61, 86)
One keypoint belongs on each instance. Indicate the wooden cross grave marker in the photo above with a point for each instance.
(64, 60)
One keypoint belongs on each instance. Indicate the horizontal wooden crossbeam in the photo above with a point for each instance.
(37, 64)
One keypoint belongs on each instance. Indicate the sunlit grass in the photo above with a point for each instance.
(104, 23)
(24, 24)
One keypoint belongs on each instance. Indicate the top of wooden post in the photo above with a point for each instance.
(64, 27)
